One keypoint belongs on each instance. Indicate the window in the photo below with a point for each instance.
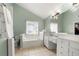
(54, 27)
(31, 27)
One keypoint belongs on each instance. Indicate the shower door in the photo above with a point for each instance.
(6, 32)
(9, 31)
(3, 39)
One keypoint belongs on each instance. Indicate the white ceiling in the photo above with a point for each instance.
(42, 10)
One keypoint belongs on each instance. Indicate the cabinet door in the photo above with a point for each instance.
(70, 51)
(74, 52)
(65, 52)
(59, 51)
(65, 45)
(62, 47)
(74, 44)
(74, 48)
(46, 41)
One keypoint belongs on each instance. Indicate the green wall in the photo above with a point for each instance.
(20, 17)
(68, 20)
(60, 23)
(47, 24)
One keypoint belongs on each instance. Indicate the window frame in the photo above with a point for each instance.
(34, 23)
(54, 27)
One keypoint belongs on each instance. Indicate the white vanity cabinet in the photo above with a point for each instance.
(67, 46)
(62, 47)
(50, 42)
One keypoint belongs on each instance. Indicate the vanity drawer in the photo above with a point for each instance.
(62, 47)
(64, 42)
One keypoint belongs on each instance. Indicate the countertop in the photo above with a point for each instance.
(66, 36)
(70, 37)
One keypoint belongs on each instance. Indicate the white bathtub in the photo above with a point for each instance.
(27, 41)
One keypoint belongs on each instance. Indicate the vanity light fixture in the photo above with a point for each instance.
(56, 16)
(75, 6)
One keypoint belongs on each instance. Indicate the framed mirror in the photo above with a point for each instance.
(77, 28)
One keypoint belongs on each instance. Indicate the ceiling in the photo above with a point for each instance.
(42, 10)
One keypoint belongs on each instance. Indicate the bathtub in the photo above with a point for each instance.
(29, 41)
